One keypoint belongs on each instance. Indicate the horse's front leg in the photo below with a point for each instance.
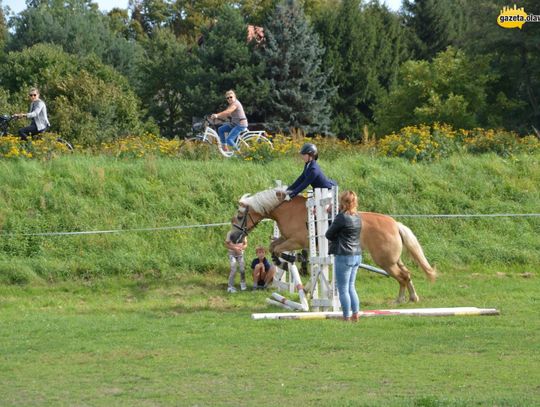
(281, 245)
(283, 249)
(276, 242)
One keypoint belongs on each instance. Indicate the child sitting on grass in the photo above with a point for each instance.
(263, 271)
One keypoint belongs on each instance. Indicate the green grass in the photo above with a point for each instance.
(143, 319)
(184, 341)
(82, 193)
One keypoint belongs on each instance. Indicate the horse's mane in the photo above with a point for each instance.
(263, 202)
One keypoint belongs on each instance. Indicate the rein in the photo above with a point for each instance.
(242, 227)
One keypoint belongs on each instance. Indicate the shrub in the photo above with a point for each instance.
(420, 143)
(529, 144)
(428, 143)
(88, 101)
(46, 147)
(415, 143)
(501, 142)
(258, 153)
(140, 146)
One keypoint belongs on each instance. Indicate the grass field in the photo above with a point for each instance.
(143, 319)
(185, 342)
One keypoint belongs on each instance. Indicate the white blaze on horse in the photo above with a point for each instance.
(381, 235)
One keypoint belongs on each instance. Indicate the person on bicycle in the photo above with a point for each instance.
(38, 114)
(238, 124)
(312, 174)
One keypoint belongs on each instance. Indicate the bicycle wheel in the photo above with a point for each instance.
(66, 144)
(213, 138)
(254, 141)
(194, 142)
(196, 147)
(226, 151)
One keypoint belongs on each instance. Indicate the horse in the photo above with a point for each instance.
(380, 235)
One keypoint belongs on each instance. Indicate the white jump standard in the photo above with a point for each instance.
(321, 286)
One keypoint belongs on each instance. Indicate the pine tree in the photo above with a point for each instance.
(298, 87)
(436, 24)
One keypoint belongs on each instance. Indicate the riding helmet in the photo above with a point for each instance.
(309, 148)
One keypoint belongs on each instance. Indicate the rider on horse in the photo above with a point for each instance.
(312, 174)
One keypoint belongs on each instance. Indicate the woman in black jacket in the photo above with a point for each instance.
(344, 236)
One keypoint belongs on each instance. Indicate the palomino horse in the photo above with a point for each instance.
(381, 235)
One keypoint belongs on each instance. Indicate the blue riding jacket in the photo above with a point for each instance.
(312, 175)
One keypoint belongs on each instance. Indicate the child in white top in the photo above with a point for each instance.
(236, 260)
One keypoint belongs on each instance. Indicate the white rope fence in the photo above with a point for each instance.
(208, 225)
(97, 232)
(479, 215)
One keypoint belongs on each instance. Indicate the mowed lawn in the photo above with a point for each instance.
(183, 341)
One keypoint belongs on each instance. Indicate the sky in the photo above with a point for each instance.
(106, 5)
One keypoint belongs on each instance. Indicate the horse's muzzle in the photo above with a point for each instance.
(237, 235)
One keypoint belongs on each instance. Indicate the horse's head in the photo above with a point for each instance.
(245, 219)
(251, 210)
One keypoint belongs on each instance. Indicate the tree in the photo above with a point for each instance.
(298, 87)
(180, 81)
(3, 29)
(436, 24)
(79, 29)
(515, 58)
(150, 15)
(185, 18)
(226, 61)
(450, 89)
(88, 102)
(165, 82)
(365, 46)
(257, 11)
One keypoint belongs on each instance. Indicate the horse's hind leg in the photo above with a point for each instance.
(403, 280)
(410, 286)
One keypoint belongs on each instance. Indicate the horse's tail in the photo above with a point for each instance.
(413, 246)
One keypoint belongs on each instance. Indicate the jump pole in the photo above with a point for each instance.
(295, 276)
(374, 269)
(413, 312)
(282, 300)
(271, 301)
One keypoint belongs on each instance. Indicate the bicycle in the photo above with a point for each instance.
(206, 132)
(5, 119)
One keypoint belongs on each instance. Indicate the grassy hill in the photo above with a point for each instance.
(82, 193)
(163, 331)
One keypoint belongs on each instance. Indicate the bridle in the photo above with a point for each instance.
(242, 227)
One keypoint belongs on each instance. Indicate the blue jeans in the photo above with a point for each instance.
(233, 131)
(31, 130)
(345, 270)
